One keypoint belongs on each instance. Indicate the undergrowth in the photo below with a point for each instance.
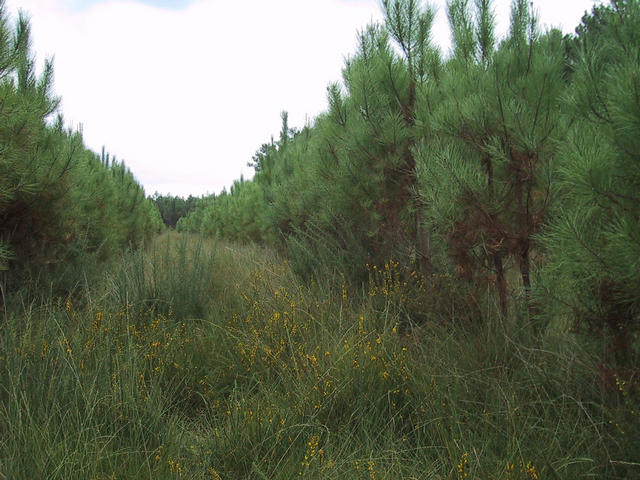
(209, 360)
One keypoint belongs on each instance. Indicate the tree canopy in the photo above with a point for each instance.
(60, 203)
(512, 153)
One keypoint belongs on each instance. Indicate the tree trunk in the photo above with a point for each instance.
(424, 245)
(525, 273)
(3, 286)
(501, 285)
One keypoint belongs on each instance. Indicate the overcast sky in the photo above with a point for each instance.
(185, 91)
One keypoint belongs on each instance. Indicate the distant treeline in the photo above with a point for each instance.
(511, 165)
(62, 206)
(173, 209)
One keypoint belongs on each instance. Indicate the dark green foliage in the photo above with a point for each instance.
(347, 183)
(594, 243)
(506, 157)
(488, 161)
(60, 204)
(172, 209)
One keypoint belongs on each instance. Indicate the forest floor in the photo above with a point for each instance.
(199, 359)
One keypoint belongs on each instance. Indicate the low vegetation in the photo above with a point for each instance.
(262, 376)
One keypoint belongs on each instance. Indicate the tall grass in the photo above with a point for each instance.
(213, 360)
(177, 272)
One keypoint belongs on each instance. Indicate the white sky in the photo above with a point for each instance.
(185, 91)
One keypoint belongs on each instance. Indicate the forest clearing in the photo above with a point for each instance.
(437, 278)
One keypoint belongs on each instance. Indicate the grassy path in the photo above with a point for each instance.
(198, 359)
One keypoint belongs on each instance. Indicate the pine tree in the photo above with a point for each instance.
(26, 175)
(594, 242)
(486, 171)
(409, 24)
(60, 205)
(365, 141)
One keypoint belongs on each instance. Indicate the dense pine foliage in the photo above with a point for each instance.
(61, 205)
(515, 155)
